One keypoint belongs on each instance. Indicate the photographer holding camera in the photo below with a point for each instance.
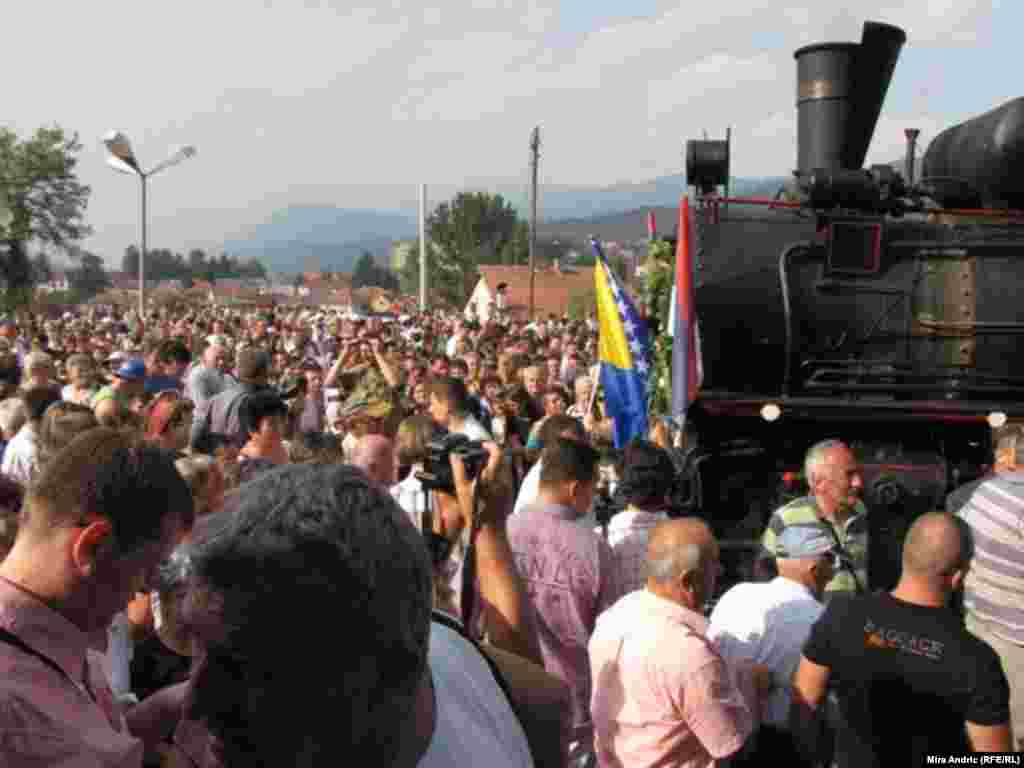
(478, 499)
(449, 407)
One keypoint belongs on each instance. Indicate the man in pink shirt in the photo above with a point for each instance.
(569, 573)
(99, 519)
(662, 694)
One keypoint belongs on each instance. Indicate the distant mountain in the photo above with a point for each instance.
(627, 225)
(300, 238)
(306, 238)
(560, 203)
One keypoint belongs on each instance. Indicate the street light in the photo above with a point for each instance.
(122, 159)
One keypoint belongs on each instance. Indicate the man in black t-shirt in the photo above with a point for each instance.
(909, 679)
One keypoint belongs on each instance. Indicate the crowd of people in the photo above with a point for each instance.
(296, 537)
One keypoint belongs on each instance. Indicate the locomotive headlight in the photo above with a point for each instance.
(996, 419)
(770, 412)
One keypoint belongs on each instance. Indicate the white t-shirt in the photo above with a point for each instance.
(411, 497)
(472, 429)
(67, 395)
(767, 623)
(529, 489)
(474, 724)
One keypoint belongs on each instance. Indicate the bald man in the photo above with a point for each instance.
(662, 694)
(909, 678)
(375, 455)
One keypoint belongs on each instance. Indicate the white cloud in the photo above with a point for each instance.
(311, 102)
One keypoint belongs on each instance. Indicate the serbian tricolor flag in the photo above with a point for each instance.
(686, 364)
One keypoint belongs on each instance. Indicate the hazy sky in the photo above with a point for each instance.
(312, 102)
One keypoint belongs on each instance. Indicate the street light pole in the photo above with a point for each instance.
(142, 254)
(122, 158)
(534, 160)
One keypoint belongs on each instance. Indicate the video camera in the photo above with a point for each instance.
(437, 468)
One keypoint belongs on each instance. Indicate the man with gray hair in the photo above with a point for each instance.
(992, 588)
(662, 693)
(834, 479)
(220, 414)
(206, 380)
(768, 623)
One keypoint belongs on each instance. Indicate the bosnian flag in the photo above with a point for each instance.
(624, 352)
(686, 365)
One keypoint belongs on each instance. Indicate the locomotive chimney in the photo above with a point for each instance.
(908, 171)
(840, 90)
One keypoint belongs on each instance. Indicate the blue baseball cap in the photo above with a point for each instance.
(804, 540)
(131, 370)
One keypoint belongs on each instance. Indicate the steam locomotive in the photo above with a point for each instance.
(862, 304)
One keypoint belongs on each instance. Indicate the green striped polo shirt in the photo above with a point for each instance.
(852, 537)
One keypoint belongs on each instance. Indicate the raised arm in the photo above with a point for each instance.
(387, 368)
(507, 610)
(339, 365)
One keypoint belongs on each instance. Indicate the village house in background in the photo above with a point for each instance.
(507, 289)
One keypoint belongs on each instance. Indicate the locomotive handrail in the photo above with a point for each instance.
(827, 283)
(787, 307)
(889, 387)
(987, 326)
(947, 373)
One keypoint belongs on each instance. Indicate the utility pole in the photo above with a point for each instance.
(423, 247)
(534, 158)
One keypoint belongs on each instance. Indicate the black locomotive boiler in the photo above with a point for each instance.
(864, 304)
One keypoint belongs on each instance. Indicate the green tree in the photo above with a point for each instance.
(42, 270)
(41, 201)
(364, 271)
(517, 249)
(251, 268)
(444, 280)
(656, 295)
(473, 228)
(196, 261)
(89, 277)
(367, 272)
(130, 260)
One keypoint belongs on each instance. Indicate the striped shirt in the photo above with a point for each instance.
(994, 587)
(852, 537)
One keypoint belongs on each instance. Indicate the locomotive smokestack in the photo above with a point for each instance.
(840, 90)
(908, 171)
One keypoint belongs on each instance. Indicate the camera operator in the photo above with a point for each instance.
(449, 407)
(465, 529)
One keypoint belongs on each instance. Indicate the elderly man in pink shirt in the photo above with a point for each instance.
(662, 693)
(98, 520)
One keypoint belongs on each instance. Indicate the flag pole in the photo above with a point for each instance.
(423, 247)
(534, 162)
